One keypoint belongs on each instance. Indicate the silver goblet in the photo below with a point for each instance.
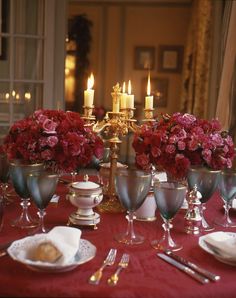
(227, 188)
(206, 181)
(132, 187)
(18, 174)
(42, 187)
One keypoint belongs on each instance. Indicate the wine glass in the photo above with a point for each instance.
(206, 181)
(41, 187)
(227, 188)
(18, 175)
(169, 197)
(4, 176)
(132, 187)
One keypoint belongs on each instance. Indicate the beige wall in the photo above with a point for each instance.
(117, 29)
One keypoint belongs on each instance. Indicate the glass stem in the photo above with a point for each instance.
(25, 203)
(130, 229)
(167, 226)
(41, 213)
(227, 207)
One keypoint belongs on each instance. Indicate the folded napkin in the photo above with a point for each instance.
(224, 244)
(65, 239)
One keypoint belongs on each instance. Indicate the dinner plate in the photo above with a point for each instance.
(222, 259)
(85, 253)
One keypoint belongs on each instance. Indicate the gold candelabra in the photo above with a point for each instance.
(116, 125)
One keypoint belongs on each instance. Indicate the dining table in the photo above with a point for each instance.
(146, 274)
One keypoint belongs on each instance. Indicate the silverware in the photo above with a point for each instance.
(184, 268)
(110, 259)
(112, 281)
(193, 266)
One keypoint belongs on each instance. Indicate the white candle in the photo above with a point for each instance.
(129, 98)
(116, 105)
(149, 98)
(123, 98)
(89, 93)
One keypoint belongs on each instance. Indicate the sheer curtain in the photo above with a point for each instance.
(194, 97)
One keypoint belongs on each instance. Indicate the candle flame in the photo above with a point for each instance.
(124, 87)
(148, 86)
(90, 82)
(129, 87)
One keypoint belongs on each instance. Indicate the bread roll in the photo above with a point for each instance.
(46, 252)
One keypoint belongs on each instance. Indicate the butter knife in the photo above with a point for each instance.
(195, 267)
(184, 268)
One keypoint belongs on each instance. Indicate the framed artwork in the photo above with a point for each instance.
(3, 40)
(144, 58)
(159, 90)
(170, 58)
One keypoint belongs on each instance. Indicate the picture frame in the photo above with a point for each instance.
(159, 91)
(170, 58)
(3, 40)
(144, 58)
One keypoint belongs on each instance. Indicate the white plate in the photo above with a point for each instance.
(204, 246)
(86, 252)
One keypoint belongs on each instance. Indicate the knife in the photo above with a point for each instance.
(195, 267)
(184, 268)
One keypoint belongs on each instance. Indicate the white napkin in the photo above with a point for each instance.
(66, 239)
(224, 243)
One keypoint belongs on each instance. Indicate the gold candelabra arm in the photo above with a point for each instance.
(148, 114)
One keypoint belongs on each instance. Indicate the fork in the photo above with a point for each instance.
(112, 281)
(110, 259)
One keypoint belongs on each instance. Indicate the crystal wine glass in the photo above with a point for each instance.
(227, 188)
(132, 187)
(206, 181)
(4, 176)
(169, 197)
(18, 174)
(42, 187)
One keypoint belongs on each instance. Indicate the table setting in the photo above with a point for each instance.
(101, 253)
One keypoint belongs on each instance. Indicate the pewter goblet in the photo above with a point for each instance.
(227, 188)
(18, 174)
(42, 187)
(206, 181)
(169, 198)
(132, 187)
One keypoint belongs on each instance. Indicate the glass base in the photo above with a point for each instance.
(224, 223)
(206, 227)
(164, 245)
(39, 230)
(127, 239)
(25, 222)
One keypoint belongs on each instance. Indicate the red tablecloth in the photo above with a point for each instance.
(146, 275)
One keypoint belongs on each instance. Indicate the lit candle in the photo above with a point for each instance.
(129, 98)
(89, 93)
(123, 98)
(149, 98)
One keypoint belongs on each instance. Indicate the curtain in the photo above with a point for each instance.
(195, 87)
(226, 104)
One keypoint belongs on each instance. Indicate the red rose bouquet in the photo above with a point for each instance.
(57, 138)
(176, 142)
